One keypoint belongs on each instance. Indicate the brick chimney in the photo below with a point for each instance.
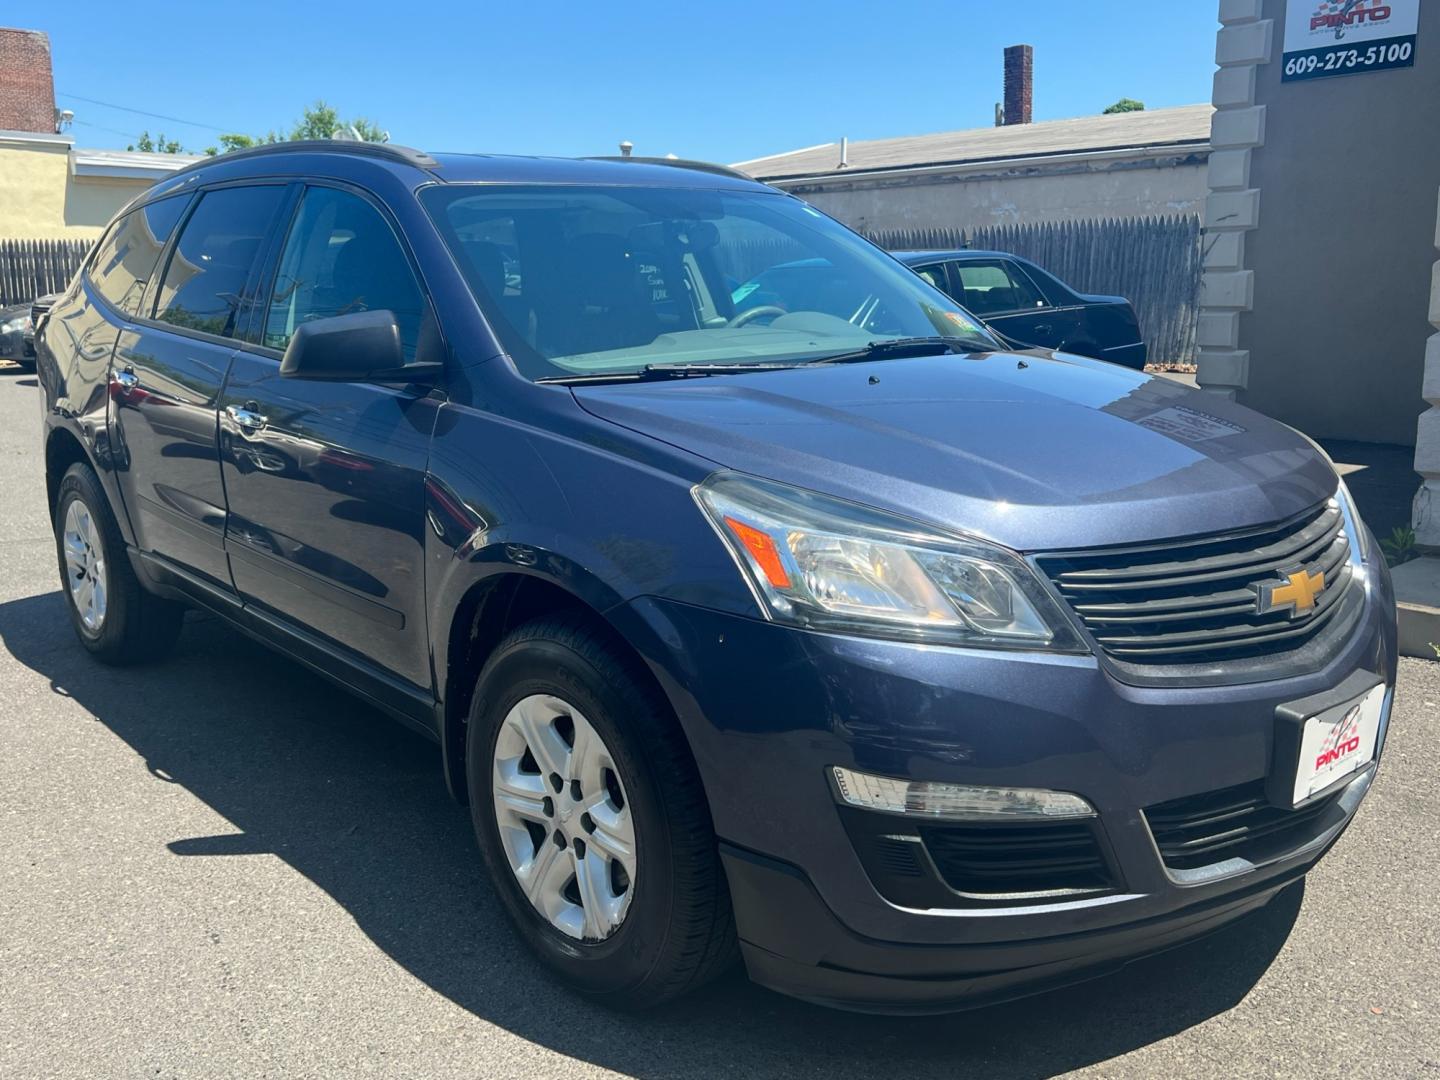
(1019, 80)
(27, 88)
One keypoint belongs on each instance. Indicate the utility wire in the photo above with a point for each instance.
(142, 112)
(102, 127)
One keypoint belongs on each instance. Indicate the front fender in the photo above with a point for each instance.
(602, 513)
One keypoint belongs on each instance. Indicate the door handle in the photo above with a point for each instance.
(127, 380)
(1043, 328)
(246, 418)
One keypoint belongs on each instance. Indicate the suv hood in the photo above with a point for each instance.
(1034, 451)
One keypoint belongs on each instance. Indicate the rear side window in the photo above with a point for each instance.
(342, 257)
(127, 257)
(989, 288)
(204, 284)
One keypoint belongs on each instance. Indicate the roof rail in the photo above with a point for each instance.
(679, 163)
(404, 155)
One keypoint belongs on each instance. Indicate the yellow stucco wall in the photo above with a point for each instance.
(40, 199)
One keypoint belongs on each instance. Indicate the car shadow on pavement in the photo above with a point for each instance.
(355, 803)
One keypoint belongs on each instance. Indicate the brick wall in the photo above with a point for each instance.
(1019, 80)
(27, 88)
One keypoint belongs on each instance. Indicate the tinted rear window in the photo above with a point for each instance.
(127, 257)
(204, 286)
(994, 287)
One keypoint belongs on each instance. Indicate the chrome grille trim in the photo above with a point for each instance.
(1196, 599)
(1300, 546)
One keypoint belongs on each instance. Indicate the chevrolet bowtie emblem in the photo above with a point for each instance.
(1296, 590)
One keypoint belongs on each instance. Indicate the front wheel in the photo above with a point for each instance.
(589, 813)
(114, 617)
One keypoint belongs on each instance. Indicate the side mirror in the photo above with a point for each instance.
(363, 346)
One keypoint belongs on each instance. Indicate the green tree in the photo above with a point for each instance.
(157, 145)
(322, 121)
(319, 121)
(241, 141)
(369, 131)
(1125, 104)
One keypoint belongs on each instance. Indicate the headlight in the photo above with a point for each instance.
(826, 564)
(14, 326)
(1354, 528)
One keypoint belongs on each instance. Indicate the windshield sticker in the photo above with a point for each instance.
(961, 321)
(1189, 425)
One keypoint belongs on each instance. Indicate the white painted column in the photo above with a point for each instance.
(1232, 209)
(1426, 512)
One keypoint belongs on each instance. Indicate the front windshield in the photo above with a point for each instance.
(587, 281)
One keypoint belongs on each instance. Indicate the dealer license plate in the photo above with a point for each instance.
(1337, 742)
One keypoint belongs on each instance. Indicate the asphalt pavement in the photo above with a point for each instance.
(220, 866)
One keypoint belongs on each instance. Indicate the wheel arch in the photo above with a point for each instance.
(486, 612)
(63, 448)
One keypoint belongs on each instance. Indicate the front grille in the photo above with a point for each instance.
(1198, 600)
(999, 860)
(1237, 822)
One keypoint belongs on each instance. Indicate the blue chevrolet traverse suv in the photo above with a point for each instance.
(814, 629)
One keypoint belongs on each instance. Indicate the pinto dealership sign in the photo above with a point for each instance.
(1348, 37)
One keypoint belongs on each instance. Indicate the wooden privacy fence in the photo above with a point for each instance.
(1154, 262)
(31, 268)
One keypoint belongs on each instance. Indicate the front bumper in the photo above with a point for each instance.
(769, 709)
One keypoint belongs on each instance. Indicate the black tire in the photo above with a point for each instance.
(678, 932)
(137, 626)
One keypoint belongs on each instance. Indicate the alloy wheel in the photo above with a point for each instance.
(564, 817)
(85, 566)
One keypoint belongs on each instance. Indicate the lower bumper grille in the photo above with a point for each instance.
(1237, 822)
(1005, 860)
(979, 864)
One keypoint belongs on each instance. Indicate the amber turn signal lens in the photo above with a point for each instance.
(762, 549)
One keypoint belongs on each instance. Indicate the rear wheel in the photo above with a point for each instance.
(114, 617)
(590, 816)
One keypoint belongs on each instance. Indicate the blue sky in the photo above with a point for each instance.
(723, 82)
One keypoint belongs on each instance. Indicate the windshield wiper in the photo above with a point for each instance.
(900, 348)
(661, 372)
(881, 349)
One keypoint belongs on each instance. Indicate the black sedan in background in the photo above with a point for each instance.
(16, 342)
(1031, 306)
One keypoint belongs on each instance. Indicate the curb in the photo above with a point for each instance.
(1417, 596)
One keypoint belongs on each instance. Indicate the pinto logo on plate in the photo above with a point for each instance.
(1343, 741)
